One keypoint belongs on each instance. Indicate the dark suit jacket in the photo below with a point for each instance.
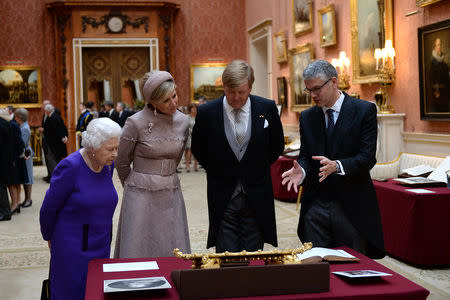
(54, 132)
(122, 117)
(210, 147)
(354, 145)
(114, 116)
(83, 120)
(7, 150)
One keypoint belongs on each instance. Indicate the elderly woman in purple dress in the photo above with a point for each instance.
(76, 215)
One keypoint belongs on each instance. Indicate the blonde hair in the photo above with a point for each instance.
(237, 73)
(162, 92)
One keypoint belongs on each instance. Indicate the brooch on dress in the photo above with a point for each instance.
(150, 126)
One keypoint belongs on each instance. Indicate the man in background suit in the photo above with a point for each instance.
(338, 145)
(236, 138)
(6, 163)
(122, 113)
(55, 133)
(111, 113)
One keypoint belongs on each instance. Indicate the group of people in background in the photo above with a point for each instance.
(235, 138)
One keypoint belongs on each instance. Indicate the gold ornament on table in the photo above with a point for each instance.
(342, 64)
(215, 260)
(385, 67)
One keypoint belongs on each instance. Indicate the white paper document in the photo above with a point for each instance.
(131, 266)
(322, 252)
(420, 191)
(361, 273)
(418, 170)
(135, 284)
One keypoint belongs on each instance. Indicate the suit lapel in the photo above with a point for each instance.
(221, 129)
(255, 112)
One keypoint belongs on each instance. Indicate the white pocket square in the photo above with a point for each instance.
(266, 124)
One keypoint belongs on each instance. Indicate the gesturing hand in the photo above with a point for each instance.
(328, 167)
(293, 176)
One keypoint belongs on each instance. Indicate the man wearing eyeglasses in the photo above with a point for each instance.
(338, 145)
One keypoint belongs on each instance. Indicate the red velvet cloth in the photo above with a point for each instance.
(279, 167)
(395, 286)
(416, 227)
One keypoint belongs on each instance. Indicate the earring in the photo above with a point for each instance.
(154, 111)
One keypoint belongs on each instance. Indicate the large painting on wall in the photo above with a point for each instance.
(20, 86)
(371, 25)
(299, 58)
(434, 68)
(302, 16)
(327, 26)
(206, 80)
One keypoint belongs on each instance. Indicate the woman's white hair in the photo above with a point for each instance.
(99, 131)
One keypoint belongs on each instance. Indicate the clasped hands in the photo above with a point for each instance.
(295, 175)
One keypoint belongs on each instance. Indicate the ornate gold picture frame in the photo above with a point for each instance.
(302, 16)
(279, 40)
(20, 86)
(327, 26)
(299, 58)
(371, 25)
(206, 80)
(422, 3)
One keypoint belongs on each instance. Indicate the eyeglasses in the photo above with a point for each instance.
(316, 90)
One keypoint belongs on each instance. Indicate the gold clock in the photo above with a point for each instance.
(115, 24)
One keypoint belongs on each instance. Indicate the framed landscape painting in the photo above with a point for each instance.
(20, 86)
(434, 68)
(280, 47)
(371, 25)
(299, 58)
(327, 26)
(302, 16)
(206, 80)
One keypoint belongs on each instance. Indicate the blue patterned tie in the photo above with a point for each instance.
(330, 127)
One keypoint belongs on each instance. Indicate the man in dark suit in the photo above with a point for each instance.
(55, 133)
(111, 113)
(338, 145)
(6, 161)
(123, 114)
(236, 138)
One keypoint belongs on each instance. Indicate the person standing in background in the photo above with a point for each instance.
(21, 117)
(44, 142)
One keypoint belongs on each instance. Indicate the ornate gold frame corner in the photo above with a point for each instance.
(327, 9)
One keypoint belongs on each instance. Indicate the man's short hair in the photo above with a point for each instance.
(319, 69)
(237, 73)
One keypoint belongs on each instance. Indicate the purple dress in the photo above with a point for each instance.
(76, 216)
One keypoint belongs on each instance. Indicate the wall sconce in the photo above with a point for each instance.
(385, 67)
(343, 63)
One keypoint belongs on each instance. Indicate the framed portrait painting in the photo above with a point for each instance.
(327, 26)
(20, 86)
(434, 68)
(280, 47)
(422, 3)
(302, 16)
(299, 59)
(206, 80)
(371, 25)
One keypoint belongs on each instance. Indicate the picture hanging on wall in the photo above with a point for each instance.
(434, 68)
(280, 47)
(206, 80)
(327, 26)
(299, 59)
(20, 86)
(302, 16)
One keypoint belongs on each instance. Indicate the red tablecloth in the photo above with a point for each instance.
(395, 286)
(416, 227)
(280, 191)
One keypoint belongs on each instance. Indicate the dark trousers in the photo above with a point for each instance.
(239, 229)
(326, 225)
(5, 208)
(52, 161)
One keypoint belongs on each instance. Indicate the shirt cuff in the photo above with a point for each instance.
(342, 172)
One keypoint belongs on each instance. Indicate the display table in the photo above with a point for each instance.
(280, 191)
(395, 286)
(416, 227)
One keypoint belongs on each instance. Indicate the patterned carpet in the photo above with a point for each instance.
(23, 252)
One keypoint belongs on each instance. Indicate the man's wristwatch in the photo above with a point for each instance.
(338, 167)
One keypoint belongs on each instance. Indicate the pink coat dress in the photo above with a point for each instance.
(153, 217)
